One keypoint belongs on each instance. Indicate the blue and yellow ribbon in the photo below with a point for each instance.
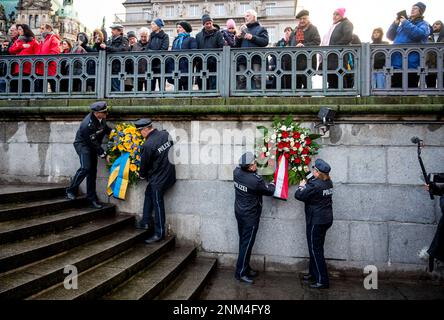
(118, 177)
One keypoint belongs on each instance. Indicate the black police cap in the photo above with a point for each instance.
(99, 106)
(322, 166)
(142, 123)
(246, 159)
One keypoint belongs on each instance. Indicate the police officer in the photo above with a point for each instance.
(317, 196)
(88, 143)
(436, 249)
(157, 168)
(249, 189)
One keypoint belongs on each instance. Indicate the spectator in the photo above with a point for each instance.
(13, 34)
(159, 40)
(436, 36)
(99, 38)
(404, 31)
(183, 41)
(141, 45)
(81, 47)
(285, 41)
(252, 35)
(340, 34)
(304, 35)
(208, 38)
(48, 46)
(132, 39)
(24, 45)
(229, 33)
(379, 60)
(129, 64)
(65, 48)
(117, 43)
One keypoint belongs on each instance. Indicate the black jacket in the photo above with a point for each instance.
(117, 44)
(343, 33)
(210, 39)
(90, 135)
(260, 37)
(317, 196)
(158, 41)
(311, 38)
(155, 165)
(249, 189)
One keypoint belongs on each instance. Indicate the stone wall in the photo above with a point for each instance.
(383, 215)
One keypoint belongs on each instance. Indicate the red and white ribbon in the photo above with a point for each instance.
(281, 179)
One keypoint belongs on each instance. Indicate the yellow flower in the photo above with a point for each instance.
(120, 147)
(133, 167)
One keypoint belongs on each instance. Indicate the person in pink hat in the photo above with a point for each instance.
(339, 34)
(230, 33)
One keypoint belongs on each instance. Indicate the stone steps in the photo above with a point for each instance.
(148, 283)
(33, 278)
(12, 211)
(14, 230)
(190, 283)
(16, 254)
(44, 236)
(103, 278)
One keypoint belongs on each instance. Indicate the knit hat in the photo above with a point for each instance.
(206, 18)
(341, 12)
(131, 34)
(159, 23)
(421, 6)
(186, 26)
(231, 24)
(302, 13)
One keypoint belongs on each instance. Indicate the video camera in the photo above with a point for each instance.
(434, 180)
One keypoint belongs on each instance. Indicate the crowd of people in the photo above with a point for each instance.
(404, 30)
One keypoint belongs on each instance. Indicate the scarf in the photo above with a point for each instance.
(179, 40)
(300, 38)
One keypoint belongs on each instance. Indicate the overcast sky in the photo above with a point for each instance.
(365, 15)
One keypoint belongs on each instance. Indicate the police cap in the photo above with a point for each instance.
(322, 166)
(99, 106)
(246, 159)
(143, 123)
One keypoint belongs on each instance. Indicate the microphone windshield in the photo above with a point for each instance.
(415, 140)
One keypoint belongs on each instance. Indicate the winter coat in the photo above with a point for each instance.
(342, 35)
(212, 39)
(311, 38)
(260, 39)
(117, 44)
(230, 38)
(410, 31)
(158, 41)
(49, 46)
(18, 49)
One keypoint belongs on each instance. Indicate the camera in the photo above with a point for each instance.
(434, 180)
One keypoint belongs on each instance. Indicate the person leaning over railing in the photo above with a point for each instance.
(339, 34)
(252, 35)
(159, 40)
(305, 34)
(117, 43)
(49, 45)
(378, 76)
(183, 41)
(404, 31)
(436, 36)
(26, 44)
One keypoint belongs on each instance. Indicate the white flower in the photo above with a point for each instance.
(267, 140)
(273, 157)
(302, 136)
(273, 137)
(301, 149)
(292, 143)
(305, 168)
(283, 128)
(300, 168)
(286, 150)
(267, 154)
(264, 149)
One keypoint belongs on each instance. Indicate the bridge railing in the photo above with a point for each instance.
(361, 70)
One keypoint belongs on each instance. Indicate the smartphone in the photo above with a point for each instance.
(402, 13)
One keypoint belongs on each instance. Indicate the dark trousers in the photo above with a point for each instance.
(88, 170)
(436, 249)
(315, 240)
(154, 200)
(247, 236)
(431, 80)
(39, 85)
(413, 80)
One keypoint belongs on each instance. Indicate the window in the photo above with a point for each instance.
(244, 6)
(219, 9)
(270, 9)
(271, 35)
(169, 11)
(194, 10)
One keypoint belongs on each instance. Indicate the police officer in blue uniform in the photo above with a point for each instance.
(88, 145)
(160, 172)
(317, 193)
(249, 189)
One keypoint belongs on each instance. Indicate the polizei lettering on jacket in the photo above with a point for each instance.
(163, 147)
(327, 192)
(241, 187)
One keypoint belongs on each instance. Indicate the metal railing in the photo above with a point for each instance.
(311, 71)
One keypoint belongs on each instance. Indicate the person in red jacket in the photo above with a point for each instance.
(24, 45)
(48, 46)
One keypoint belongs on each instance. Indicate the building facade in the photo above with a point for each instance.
(274, 15)
(61, 15)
